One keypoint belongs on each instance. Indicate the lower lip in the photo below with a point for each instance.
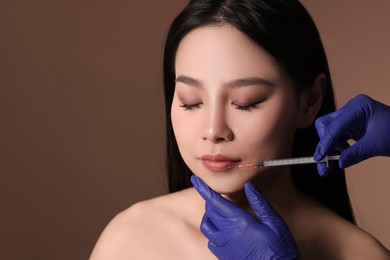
(219, 166)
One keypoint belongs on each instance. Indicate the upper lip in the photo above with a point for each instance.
(218, 158)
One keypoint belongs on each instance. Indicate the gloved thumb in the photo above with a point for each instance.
(263, 209)
(358, 152)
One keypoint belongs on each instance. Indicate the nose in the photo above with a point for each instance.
(217, 128)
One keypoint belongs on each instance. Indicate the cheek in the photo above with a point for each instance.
(179, 127)
(271, 132)
(183, 125)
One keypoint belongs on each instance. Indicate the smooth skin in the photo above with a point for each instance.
(232, 98)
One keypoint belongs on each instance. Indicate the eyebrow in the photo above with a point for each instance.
(237, 83)
(188, 81)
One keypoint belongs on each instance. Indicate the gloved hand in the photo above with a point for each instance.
(233, 233)
(362, 119)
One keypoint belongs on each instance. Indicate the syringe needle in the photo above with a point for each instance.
(248, 165)
(252, 165)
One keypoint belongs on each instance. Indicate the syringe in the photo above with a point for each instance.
(290, 161)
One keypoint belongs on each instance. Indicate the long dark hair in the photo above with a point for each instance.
(286, 31)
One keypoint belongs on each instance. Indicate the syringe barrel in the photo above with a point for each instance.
(299, 160)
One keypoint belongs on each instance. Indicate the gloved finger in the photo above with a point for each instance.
(218, 251)
(322, 123)
(209, 230)
(227, 221)
(322, 169)
(213, 234)
(204, 190)
(339, 147)
(218, 206)
(342, 143)
(342, 120)
(263, 209)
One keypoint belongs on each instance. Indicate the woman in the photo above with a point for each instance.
(244, 80)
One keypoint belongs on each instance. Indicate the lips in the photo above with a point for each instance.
(219, 162)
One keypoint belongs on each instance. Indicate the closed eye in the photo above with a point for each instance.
(190, 106)
(247, 107)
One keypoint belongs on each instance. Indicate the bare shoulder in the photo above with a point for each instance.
(147, 228)
(329, 236)
(358, 244)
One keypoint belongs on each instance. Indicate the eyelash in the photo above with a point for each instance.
(247, 107)
(190, 106)
(239, 107)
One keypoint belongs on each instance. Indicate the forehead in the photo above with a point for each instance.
(223, 52)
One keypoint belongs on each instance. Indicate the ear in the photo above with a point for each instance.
(311, 101)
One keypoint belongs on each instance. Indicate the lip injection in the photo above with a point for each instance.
(290, 161)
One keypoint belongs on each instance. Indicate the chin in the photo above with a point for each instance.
(225, 183)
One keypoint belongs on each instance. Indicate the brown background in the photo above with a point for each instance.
(81, 134)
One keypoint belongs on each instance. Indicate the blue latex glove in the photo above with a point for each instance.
(362, 119)
(233, 233)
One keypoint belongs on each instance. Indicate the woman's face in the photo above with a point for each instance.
(232, 104)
